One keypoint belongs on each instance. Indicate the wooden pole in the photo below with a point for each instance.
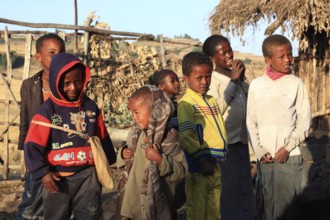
(87, 23)
(75, 50)
(9, 66)
(27, 57)
(6, 121)
(162, 51)
(74, 27)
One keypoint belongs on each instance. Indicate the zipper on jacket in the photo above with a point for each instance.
(223, 139)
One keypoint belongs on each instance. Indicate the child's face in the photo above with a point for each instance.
(199, 80)
(224, 55)
(71, 84)
(281, 59)
(49, 48)
(171, 85)
(140, 111)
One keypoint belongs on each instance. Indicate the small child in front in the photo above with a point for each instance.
(64, 161)
(203, 136)
(154, 159)
(278, 120)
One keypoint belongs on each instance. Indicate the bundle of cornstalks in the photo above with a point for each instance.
(119, 68)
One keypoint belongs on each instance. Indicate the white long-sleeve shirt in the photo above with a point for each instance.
(231, 99)
(278, 114)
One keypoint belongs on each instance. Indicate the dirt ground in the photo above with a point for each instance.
(10, 198)
(11, 191)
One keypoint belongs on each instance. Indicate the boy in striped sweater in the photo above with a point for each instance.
(203, 136)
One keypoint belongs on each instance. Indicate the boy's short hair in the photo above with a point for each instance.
(143, 93)
(211, 42)
(274, 40)
(194, 59)
(47, 37)
(157, 78)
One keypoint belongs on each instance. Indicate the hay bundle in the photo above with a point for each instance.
(118, 68)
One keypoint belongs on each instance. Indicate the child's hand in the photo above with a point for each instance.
(237, 70)
(267, 158)
(206, 167)
(153, 154)
(282, 155)
(49, 183)
(127, 153)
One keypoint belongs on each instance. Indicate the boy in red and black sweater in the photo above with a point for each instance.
(64, 161)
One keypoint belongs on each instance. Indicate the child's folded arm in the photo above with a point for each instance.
(175, 167)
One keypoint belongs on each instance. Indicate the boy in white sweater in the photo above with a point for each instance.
(278, 119)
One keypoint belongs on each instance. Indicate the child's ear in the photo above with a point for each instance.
(268, 61)
(186, 79)
(213, 59)
(161, 87)
(38, 57)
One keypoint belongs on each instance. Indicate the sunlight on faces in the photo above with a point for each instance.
(281, 59)
(199, 80)
(224, 55)
(171, 85)
(71, 83)
(140, 111)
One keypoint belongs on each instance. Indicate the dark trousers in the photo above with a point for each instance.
(237, 192)
(79, 194)
(31, 205)
(281, 182)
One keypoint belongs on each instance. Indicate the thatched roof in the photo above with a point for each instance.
(292, 16)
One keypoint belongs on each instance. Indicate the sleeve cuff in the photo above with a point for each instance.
(289, 145)
(235, 81)
(120, 161)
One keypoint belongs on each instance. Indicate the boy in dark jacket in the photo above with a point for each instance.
(34, 91)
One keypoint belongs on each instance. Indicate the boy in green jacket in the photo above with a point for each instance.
(203, 136)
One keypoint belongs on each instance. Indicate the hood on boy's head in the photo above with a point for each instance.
(59, 64)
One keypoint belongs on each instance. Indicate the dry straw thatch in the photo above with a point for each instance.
(292, 16)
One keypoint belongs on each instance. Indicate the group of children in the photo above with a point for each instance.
(191, 152)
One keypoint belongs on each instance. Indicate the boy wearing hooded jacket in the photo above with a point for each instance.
(64, 161)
